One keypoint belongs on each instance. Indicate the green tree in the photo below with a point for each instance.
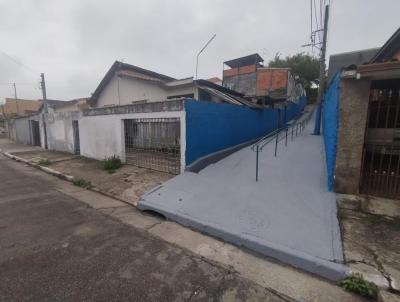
(304, 66)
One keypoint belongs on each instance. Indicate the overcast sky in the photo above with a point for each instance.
(74, 42)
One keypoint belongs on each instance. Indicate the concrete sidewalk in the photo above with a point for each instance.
(288, 214)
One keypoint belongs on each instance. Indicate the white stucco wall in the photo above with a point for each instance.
(102, 136)
(60, 135)
(125, 90)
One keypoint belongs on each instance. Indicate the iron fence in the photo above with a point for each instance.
(153, 143)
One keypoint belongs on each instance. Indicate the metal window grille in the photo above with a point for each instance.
(153, 143)
(380, 171)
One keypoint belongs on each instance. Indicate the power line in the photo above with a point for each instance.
(18, 62)
(19, 84)
(317, 27)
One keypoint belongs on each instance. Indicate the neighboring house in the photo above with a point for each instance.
(366, 103)
(126, 84)
(265, 85)
(49, 105)
(19, 107)
(347, 59)
(73, 105)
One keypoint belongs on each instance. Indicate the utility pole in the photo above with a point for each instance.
(321, 86)
(16, 98)
(43, 86)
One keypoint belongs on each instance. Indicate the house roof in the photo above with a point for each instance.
(123, 66)
(386, 52)
(50, 103)
(230, 96)
(343, 60)
(71, 102)
(245, 61)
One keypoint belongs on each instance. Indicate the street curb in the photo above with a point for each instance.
(62, 176)
(67, 177)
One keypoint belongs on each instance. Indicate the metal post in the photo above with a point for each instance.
(257, 150)
(276, 142)
(321, 87)
(205, 46)
(292, 132)
(286, 137)
(43, 86)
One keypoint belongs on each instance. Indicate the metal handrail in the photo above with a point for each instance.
(274, 136)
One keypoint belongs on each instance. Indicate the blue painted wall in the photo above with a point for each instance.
(211, 127)
(330, 121)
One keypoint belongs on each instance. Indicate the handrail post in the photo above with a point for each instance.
(257, 150)
(292, 132)
(286, 137)
(276, 142)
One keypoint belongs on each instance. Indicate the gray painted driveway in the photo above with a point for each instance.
(288, 214)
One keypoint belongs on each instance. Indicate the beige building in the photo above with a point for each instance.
(73, 105)
(19, 107)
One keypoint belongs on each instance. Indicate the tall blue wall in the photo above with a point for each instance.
(330, 121)
(211, 127)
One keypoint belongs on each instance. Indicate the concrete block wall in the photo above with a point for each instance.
(19, 129)
(59, 130)
(101, 131)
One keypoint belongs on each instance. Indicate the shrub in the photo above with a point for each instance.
(44, 162)
(110, 164)
(357, 284)
(82, 183)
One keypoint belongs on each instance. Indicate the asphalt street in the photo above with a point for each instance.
(53, 247)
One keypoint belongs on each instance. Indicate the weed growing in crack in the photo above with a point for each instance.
(44, 162)
(83, 183)
(357, 284)
(110, 164)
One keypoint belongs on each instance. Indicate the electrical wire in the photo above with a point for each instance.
(19, 63)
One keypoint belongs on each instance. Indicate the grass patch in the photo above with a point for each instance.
(44, 162)
(110, 164)
(83, 183)
(357, 284)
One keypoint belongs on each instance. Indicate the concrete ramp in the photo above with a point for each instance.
(288, 214)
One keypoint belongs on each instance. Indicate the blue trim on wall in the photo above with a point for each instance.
(330, 122)
(211, 127)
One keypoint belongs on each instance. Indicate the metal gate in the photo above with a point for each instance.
(153, 143)
(77, 144)
(35, 133)
(380, 172)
